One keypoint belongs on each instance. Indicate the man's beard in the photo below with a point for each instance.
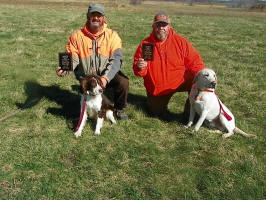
(95, 27)
(161, 35)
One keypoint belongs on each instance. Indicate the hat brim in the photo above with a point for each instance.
(160, 20)
(96, 10)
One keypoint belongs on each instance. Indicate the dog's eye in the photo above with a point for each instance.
(206, 75)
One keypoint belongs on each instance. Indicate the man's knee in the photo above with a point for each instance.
(120, 82)
(157, 104)
(154, 109)
(123, 83)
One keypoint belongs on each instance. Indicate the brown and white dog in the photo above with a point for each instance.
(205, 102)
(93, 104)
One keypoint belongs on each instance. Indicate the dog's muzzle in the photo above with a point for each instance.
(213, 84)
(94, 93)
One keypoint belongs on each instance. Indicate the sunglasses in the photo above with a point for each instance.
(161, 24)
(96, 14)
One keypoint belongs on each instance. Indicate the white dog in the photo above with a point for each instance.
(208, 106)
(93, 104)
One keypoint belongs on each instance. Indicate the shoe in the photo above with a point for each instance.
(120, 114)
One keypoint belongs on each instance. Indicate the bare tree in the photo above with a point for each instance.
(243, 3)
(190, 2)
(135, 2)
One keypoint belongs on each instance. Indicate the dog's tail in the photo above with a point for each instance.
(239, 131)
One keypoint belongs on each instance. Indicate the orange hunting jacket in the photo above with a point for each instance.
(175, 61)
(99, 53)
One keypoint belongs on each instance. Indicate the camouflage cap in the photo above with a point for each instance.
(96, 7)
(161, 17)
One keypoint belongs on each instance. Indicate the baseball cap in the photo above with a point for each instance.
(96, 7)
(161, 17)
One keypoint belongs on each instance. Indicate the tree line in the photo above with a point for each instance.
(250, 4)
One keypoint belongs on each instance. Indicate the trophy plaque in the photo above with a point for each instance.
(65, 61)
(147, 51)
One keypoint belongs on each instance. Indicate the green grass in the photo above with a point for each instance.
(144, 157)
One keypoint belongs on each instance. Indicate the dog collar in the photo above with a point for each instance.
(206, 90)
(197, 97)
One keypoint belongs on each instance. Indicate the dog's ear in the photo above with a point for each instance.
(196, 78)
(83, 86)
(99, 81)
(101, 84)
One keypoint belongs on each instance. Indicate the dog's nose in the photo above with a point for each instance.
(213, 84)
(101, 90)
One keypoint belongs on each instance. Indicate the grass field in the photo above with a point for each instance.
(144, 157)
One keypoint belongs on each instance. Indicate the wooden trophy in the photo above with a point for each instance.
(147, 51)
(65, 61)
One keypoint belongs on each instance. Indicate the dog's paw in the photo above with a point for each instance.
(226, 135)
(77, 134)
(97, 132)
(215, 131)
(196, 129)
(189, 124)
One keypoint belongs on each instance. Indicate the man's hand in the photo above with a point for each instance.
(104, 82)
(141, 64)
(61, 72)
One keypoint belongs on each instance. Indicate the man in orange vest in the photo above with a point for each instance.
(96, 49)
(175, 63)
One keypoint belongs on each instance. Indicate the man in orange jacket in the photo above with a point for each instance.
(96, 49)
(174, 65)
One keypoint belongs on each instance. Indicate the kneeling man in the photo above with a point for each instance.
(97, 50)
(175, 63)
